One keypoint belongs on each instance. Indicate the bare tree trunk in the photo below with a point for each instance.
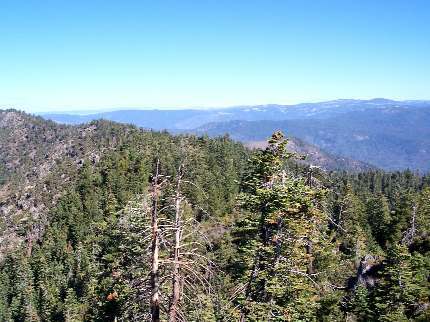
(176, 292)
(278, 245)
(411, 231)
(252, 277)
(29, 243)
(309, 251)
(309, 179)
(155, 283)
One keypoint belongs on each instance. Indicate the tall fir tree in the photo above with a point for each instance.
(280, 239)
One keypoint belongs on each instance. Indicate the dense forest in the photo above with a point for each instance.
(147, 226)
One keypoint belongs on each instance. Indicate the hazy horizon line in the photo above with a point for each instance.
(95, 110)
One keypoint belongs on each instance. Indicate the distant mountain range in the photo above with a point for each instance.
(388, 134)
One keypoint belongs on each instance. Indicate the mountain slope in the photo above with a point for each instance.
(39, 159)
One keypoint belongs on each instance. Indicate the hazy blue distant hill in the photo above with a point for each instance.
(386, 133)
(155, 119)
(391, 138)
(178, 119)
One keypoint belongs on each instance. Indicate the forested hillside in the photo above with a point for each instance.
(108, 222)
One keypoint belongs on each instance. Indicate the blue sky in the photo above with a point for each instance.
(63, 55)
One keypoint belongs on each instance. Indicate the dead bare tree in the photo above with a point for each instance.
(176, 246)
(190, 267)
(176, 286)
(155, 284)
(410, 233)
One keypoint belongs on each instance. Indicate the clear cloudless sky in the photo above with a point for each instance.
(80, 54)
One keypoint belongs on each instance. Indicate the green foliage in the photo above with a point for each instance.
(90, 263)
(280, 240)
(379, 217)
(399, 289)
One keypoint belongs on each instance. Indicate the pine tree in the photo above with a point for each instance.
(286, 228)
(72, 308)
(379, 218)
(359, 304)
(398, 289)
(353, 229)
